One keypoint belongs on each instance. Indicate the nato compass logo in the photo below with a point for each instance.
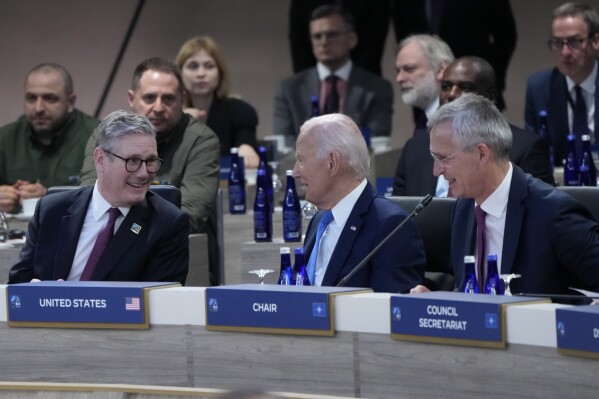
(396, 314)
(212, 305)
(319, 309)
(491, 320)
(15, 302)
(561, 328)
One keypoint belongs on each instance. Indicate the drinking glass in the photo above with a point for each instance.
(507, 278)
(3, 227)
(261, 273)
(277, 183)
(309, 210)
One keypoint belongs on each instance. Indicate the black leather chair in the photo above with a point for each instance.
(587, 196)
(170, 193)
(434, 224)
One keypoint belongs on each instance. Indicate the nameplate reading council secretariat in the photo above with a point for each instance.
(578, 331)
(80, 304)
(303, 310)
(453, 318)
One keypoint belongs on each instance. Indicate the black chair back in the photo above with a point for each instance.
(434, 224)
(587, 196)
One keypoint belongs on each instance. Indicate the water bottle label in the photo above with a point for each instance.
(291, 221)
(260, 225)
(236, 195)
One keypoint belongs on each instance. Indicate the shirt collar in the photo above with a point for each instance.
(431, 108)
(342, 72)
(99, 206)
(496, 204)
(344, 207)
(587, 85)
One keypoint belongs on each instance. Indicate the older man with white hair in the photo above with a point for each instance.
(332, 164)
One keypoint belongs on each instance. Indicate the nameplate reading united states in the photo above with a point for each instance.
(269, 308)
(80, 304)
(452, 318)
(578, 331)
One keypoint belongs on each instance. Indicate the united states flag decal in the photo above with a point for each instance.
(132, 303)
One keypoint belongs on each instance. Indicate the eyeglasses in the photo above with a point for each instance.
(576, 43)
(133, 164)
(443, 160)
(329, 35)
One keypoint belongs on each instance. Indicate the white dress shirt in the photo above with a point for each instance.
(495, 207)
(588, 92)
(331, 235)
(95, 219)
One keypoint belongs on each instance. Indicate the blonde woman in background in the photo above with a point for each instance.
(208, 98)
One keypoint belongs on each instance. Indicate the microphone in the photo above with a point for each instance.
(425, 201)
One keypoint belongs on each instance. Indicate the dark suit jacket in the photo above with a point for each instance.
(160, 252)
(547, 90)
(371, 22)
(414, 173)
(397, 267)
(369, 101)
(549, 238)
(486, 29)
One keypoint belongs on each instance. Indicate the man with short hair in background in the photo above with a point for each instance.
(569, 93)
(339, 85)
(45, 146)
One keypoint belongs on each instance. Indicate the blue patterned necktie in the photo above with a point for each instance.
(327, 218)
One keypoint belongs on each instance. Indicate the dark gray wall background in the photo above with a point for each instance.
(85, 35)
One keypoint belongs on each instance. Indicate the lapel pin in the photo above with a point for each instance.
(135, 228)
(353, 228)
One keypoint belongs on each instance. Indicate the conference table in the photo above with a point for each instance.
(360, 360)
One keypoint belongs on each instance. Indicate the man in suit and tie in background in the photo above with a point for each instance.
(339, 85)
(420, 62)
(414, 174)
(332, 164)
(535, 230)
(569, 93)
(70, 235)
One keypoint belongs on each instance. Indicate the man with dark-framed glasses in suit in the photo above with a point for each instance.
(569, 93)
(70, 236)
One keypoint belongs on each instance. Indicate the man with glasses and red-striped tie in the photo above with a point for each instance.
(534, 229)
(115, 230)
(568, 93)
(335, 83)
